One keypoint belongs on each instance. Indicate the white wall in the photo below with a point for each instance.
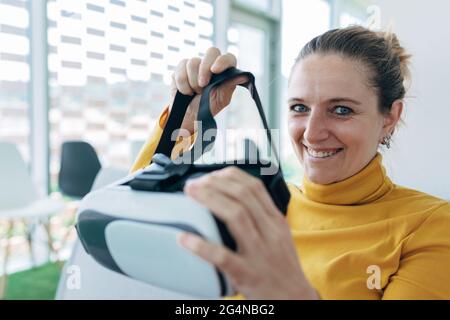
(420, 157)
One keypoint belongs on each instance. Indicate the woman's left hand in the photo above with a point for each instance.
(265, 265)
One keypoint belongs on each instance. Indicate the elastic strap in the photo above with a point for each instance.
(208, 123)
(176, 116)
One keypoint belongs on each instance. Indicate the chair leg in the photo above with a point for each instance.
(4, 277)
(29, 238)
(50, 244)
(72, 217)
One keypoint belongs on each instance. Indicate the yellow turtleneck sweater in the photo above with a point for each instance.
(364, 233)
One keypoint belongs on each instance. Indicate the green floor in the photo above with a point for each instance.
(36, 284)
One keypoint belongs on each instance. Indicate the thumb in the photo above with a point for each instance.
(239, 80)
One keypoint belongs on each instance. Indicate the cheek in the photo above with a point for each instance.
(355, 135)
(296, 128)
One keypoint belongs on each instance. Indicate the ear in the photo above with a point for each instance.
(392, 118)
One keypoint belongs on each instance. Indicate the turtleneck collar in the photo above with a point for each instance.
(368, 185)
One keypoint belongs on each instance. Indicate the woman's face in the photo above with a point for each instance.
(334, 122)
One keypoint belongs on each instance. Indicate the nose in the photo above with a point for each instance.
(316, 128)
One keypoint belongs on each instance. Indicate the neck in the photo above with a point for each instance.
(368, 185)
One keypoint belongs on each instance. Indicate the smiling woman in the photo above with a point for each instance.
(334, 136)
(346, 94)
(348, 218)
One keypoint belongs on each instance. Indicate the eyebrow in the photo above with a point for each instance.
(333, 100)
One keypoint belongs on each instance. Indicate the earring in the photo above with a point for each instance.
(387, 141)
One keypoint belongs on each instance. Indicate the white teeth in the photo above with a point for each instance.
(321, 154)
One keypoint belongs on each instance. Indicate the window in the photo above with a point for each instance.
(14, 74)
(302, 21)
(250, 36)
(264, 5)
(110, 64)
(349, 12)
(352, 13)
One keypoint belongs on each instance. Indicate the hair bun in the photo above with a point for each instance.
(399, 52)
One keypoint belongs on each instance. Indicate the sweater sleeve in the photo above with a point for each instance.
(147, 151)
(424, 271)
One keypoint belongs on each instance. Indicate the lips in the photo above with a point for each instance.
(322, 152)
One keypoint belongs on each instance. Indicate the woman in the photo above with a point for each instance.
(350, 233)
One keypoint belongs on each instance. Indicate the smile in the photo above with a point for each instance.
(323, 153)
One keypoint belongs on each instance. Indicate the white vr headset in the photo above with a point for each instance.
(131, 226)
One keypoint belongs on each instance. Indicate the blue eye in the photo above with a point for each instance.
(342, 111)
(300, 108)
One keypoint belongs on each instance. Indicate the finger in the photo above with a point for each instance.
(192, 68)
(221, 257)
(205, 66)
(255, 186)
(224, 62)
(237, 81)
(181, 79)
(234, 215)
(237, 190)
(224, 93)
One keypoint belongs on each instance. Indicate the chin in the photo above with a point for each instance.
(319, 178)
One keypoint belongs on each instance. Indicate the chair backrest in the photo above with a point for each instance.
(108, 175)
(16, 187)
(78, 169)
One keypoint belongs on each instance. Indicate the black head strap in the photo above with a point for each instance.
(208, 123)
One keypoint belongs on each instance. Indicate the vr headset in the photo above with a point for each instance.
(131, 226)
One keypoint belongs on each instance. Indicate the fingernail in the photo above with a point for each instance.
(202, 81)
(186, 240)
(189, 186)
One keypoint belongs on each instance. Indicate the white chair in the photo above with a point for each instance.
(93, 281)
(19, 202)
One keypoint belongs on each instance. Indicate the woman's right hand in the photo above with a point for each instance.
(193, 75)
